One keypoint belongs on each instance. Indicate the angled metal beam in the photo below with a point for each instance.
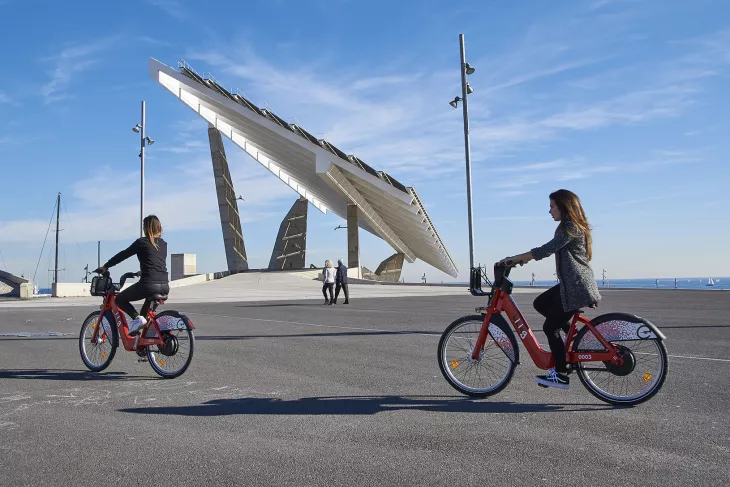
(368, 212)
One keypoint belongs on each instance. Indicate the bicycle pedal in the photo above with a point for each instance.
(144, 359)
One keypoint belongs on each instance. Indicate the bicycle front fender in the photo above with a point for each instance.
(503, 336)
(621, 327)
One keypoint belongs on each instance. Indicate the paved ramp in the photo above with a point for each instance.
(267, 286)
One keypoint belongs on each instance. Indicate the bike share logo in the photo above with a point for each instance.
(644, 332)
(520, 325)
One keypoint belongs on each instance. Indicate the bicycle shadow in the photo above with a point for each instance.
(357, 405)
(69, 375)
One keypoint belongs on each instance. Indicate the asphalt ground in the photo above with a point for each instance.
(304, 394)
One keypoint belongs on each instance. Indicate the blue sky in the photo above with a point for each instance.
(622, 101)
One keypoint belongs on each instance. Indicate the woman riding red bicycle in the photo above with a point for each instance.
(577, 285)
(151, 250)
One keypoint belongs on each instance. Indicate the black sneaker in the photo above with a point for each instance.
(553, 379)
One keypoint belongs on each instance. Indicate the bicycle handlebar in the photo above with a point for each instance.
(122, 279)
(125, 277)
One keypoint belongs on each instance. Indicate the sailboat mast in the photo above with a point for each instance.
(58, 218)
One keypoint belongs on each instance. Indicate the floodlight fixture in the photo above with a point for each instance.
(149, 141)
(469, 69)
(136, 128)
(469, 89)
(455, 102)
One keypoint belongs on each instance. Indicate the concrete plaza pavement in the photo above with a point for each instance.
(296, 393)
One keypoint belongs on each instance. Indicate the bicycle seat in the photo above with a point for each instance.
(158, 297)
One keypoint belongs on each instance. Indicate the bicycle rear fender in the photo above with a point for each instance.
(172, 320)
(500, 332)
(621, 327)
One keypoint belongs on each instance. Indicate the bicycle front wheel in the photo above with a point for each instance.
(172, 359)
(97, 356)
(488, 374)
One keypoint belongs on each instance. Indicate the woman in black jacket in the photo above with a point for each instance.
(151, 251)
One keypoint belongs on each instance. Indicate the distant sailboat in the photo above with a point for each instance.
(710, 282)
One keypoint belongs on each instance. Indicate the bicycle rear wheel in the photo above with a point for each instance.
(173, 359)
(492, 371)
(97, 356)
(637, 379)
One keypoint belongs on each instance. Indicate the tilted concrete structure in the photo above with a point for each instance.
(390, 269)
(320, 172)
(290, 248)
(228, 209)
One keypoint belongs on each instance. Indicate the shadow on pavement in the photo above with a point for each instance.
(278, 305)
(357, 405)
(66, 374)
(302, 335)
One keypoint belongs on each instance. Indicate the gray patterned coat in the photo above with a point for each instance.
(577, 283)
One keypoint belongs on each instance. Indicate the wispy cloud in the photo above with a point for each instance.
(597, 4)
(68, 64)
(191, 206)
(646, 199)
(172, 7)
(4, 98)
(190, 146)
(152, 41)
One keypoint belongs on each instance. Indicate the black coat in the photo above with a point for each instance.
(341, 275)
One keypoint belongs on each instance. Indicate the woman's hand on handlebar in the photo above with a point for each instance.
(521, 259)
(138, 274)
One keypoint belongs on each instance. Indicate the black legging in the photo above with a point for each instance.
(328, 286)
(137, 291)
(550, 306)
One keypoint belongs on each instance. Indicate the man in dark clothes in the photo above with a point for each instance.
(341, 281)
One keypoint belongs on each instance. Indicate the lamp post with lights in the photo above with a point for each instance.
(466, 89)
(144, 141)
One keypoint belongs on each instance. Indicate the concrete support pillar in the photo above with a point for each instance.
(227, 206)
(353, 243)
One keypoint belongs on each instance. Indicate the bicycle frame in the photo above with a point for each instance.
(131, 343)
(502, 302)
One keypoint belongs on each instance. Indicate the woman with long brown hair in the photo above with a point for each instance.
(151, 251)
(572, 246)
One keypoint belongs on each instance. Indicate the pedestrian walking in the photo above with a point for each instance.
(341, 282)
(328, 281)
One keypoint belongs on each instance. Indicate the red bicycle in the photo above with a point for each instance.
(620, 358)
(167, 341)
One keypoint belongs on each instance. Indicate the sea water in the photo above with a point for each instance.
(721, 283)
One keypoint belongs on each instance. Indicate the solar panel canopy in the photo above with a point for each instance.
(315, 168)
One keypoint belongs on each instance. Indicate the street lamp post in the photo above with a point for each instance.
(466, 69)
(143, 141)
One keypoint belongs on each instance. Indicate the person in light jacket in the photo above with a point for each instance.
(341, 281)
(328, 281)
(577, 285)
